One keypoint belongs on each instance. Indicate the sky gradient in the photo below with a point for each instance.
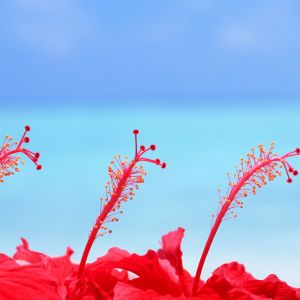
(66, 51)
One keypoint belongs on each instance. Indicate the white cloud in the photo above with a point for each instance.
(44, 39)
(241, 36)
(264, 26)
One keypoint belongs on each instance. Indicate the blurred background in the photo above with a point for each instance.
(203, 80)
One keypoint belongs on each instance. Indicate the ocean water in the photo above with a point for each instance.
(56, 207)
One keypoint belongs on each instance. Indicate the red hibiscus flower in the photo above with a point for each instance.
(231, 281)
(99, 278)
(155, 275)
(158, 275)
(33, 275)
(10, 155)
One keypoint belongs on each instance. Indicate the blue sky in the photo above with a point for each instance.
(191, 49)
(203, 80)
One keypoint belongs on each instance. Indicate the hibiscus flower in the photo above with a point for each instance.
(231, 281)
(34, 275)
(156, 274)
(10, 155)
(160, 275)
(125, 178)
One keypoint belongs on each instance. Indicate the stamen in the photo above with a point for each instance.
(253, 173)
(125, 178)
(9, 161)
(135, 132)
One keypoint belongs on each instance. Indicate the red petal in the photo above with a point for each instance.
(124, 291)
(100, 277)
(272, 287)
(58, 269)
(234, 273)
(25, 282)
(150, 273)
(127, 292)
(231, 282)
(25, 254)
(171, 250)
(113, 255)
(228, 277)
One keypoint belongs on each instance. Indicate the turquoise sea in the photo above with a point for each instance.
(56, 207)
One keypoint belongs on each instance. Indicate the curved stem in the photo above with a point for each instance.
(101, 218)
(207, 247)
(221, 215)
